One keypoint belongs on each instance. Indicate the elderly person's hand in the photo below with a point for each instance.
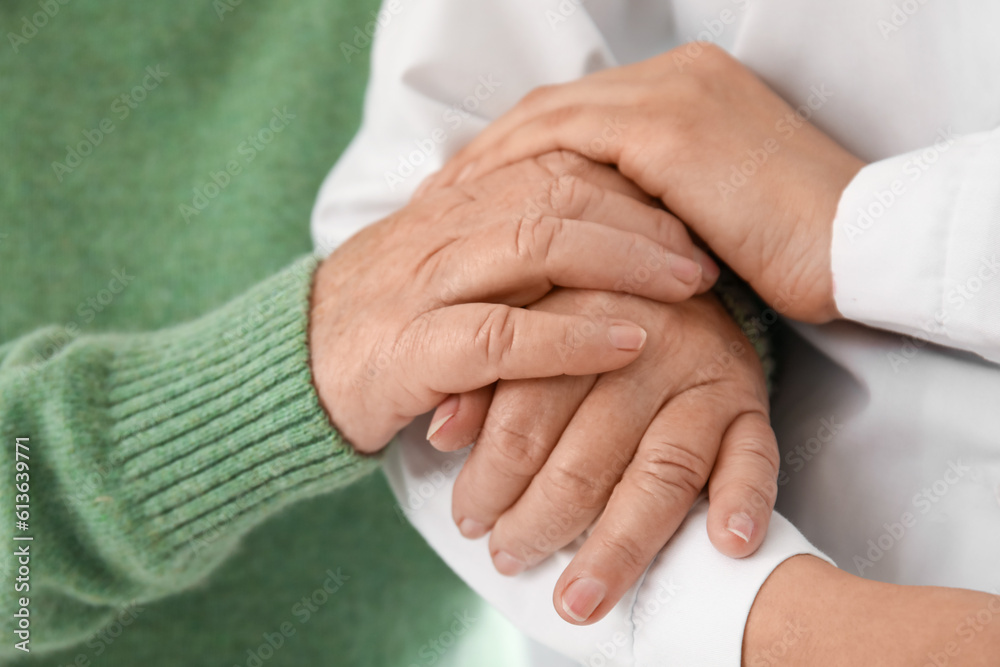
(634, 446)
(724, 152)
(426, 302)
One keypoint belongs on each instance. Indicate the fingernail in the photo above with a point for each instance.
(444, 412)
(507, 565)
(582, 598)
(685, 270)
(627, 336)
(466, 172)
(471, 529)
(741, 525)
(709, 269)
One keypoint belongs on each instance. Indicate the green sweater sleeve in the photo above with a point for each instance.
(148, 456)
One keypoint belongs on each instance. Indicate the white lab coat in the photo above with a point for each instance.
(890, 444)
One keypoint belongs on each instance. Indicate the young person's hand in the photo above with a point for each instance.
(810, 613)
(425, 303)
(634, 446)
(723, 152)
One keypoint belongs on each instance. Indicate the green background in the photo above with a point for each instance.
(60, 242)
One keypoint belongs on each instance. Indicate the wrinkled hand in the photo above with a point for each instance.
(724, 152)
(424, 303)
(634, 446)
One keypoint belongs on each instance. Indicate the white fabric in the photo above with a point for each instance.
(916, 244)
(891, 461)
(689, 609)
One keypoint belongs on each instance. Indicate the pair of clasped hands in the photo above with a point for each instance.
(554, 309)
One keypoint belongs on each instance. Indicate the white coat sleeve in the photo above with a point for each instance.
(916, 244)
(442, 69)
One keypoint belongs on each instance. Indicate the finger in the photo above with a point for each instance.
(565, 163)
(461, 348)
(540, 101)
(459, 418)
(586, 190)
(604, 176)
(744, 486)
(595, 132)
(525, 421)
(657, 490)
(518, 263)
(576, 197)
(575, 483)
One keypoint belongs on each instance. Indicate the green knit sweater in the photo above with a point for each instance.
(166, 415)
(157, 418)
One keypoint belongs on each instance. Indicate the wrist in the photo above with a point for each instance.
(335, 375)
(810, 613)
(823, 206)
(791, 620)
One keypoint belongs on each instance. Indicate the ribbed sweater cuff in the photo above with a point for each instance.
(755, 319)
(216, 424)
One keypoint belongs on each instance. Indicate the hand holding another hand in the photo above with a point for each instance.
(631, 448)
(687, 124)
(426, 302)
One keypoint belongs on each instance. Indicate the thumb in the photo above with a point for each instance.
(459, 419)
(743, 486)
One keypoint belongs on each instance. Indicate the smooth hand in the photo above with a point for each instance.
(724, 153)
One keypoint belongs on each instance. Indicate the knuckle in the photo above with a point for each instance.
(760, 447)
(530, 548)
(667, 470)
(524, 233)
(767, 452)
(563, 191)
(517, 447)
(534, 238)
(708, 53)
(637, 249)
(494, 337)
(626, 550)
(755, 499)
(563, 115)
(570, 487)
(560, 162)
(538, 96)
